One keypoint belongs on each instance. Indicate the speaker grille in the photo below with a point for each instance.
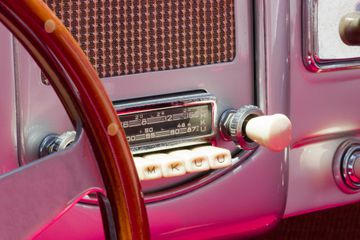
(132, 36)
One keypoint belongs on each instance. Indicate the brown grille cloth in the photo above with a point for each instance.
(133, 36)
(332, 224)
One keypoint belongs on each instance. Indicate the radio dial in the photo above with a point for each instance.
(248, 127)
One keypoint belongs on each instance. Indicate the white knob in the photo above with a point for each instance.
(272, 131)
(248, 128)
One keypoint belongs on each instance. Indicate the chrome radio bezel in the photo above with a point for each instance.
(165, 102)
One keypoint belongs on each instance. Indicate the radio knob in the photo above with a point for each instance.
(349, 29)
(54, 143)
(248, 127)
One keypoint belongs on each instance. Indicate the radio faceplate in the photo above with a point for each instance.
(166, 122)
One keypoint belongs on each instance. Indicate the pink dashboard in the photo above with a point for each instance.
(175, 119)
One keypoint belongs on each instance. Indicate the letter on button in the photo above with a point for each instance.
(194, 162)
(218, 157)
(150, 168)
(173, 166)
(179, 162)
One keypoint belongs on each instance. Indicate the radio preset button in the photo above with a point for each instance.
(138, 161)
(180, 162)
(150, 167)
(171, 166)
(218, 157)
(194, 161)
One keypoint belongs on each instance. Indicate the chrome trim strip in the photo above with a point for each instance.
(312, 139)
(260, 57)
(19, 126)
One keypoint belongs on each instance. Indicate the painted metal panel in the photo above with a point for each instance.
(247, 200)
(324, 111)
(8, 122)
(312, 185)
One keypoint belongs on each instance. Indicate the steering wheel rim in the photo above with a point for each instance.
(76, 83)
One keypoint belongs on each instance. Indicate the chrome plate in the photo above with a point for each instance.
(323, 48)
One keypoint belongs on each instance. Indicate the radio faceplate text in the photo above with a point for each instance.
(168, 122)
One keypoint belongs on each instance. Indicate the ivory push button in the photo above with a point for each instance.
(172, 166)
(218, 157)
(151, 167)
(138, 161)
(194, 161)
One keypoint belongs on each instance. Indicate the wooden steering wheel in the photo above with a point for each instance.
(36, 194)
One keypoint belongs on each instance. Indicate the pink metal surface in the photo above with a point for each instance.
(251, 198)
(225, 208)
(247, 200)
(84, 97)
(29, 205)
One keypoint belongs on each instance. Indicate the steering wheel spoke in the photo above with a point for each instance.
(39, 192)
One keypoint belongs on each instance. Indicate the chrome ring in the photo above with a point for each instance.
(343, 166)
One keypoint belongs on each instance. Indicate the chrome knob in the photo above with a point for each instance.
(349, 29)
(248, 128)
(55, 143)
(346, 166)
(356, 167)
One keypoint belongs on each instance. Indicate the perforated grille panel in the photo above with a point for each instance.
(133, 36)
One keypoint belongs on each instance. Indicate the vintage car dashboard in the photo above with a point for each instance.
(188, 79)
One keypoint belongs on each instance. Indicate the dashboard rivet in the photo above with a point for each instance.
(49, 26)
(112, 129)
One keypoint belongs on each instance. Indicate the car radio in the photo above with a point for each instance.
(169, 121)
(176, 134)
